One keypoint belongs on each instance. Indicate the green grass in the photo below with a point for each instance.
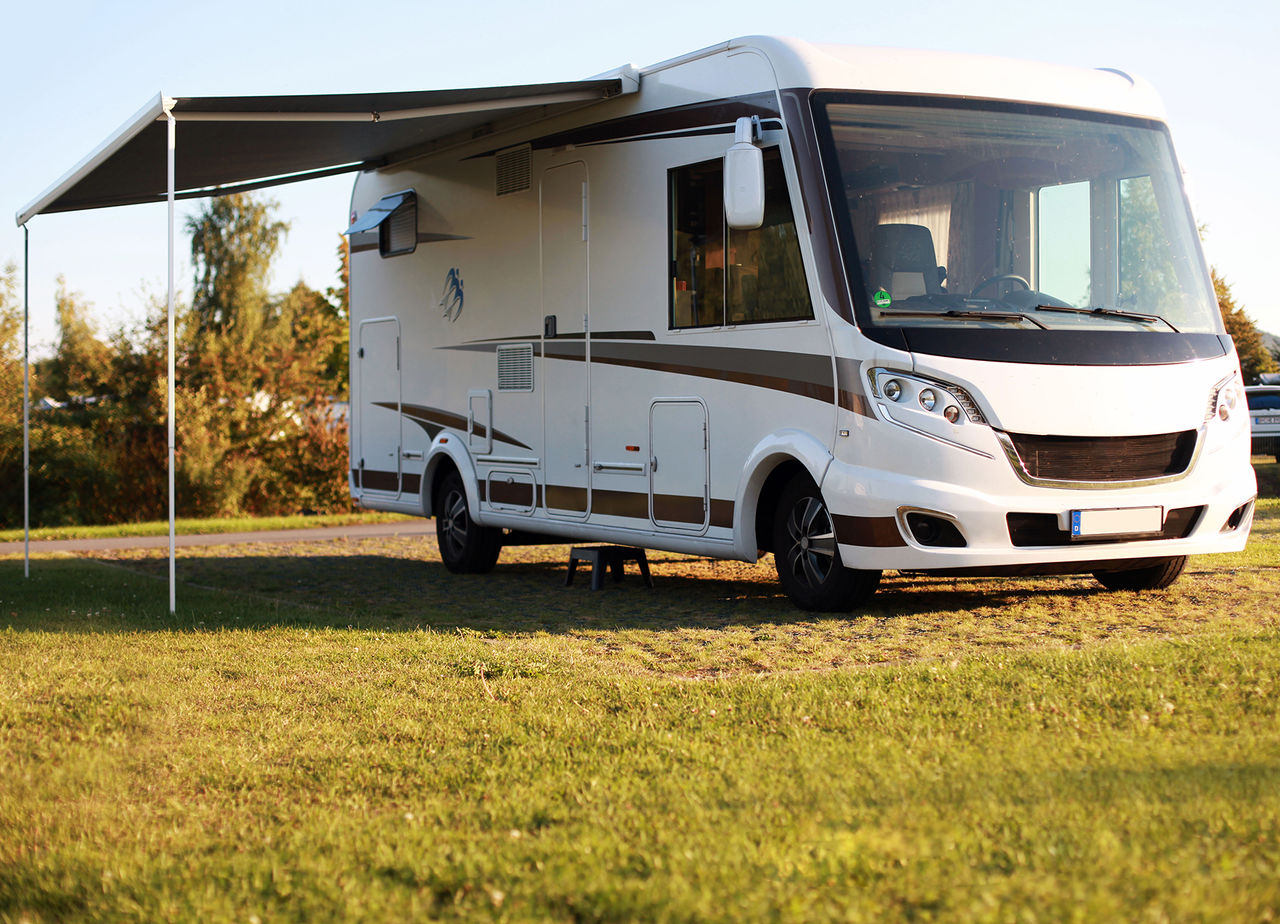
(195, 527)
(352, 734)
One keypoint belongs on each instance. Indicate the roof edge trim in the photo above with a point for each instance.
(153, 110)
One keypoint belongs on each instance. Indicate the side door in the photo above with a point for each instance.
(379, 429)
(566, 355)
(678, 471)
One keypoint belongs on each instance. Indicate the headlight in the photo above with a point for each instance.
(939, 397)
(1224, 398)
(929, 407)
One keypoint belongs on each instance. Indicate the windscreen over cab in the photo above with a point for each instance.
(1015, 232)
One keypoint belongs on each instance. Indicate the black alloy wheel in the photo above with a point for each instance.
(466, 547)
(806, 556)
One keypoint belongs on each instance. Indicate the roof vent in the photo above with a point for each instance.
(513, 170)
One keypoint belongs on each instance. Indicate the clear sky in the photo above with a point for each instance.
(73, 72)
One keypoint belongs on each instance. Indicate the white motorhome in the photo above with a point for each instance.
(865, 309)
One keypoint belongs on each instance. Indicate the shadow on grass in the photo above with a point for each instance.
(400, 585)
(403, 594)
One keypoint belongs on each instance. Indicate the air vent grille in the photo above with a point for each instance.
(513, 170)
(515, 367)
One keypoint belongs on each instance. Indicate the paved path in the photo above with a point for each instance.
(418, 527)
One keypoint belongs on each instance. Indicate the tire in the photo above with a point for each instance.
(466, 547)
(1156, 576)
(805, 553)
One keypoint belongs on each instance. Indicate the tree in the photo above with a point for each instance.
(258, 377)
(10, 397)
(1254, 357)
(81, 366)
(234, 238)
(258, 374)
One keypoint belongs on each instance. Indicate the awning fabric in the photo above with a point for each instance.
(230, 144)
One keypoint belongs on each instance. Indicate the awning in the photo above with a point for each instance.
(234, 144)
(237, 143)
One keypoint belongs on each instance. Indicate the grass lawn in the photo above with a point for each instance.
(350, 733)
(185, 527)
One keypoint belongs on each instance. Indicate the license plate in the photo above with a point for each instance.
(1117, 521)
(1266, 420)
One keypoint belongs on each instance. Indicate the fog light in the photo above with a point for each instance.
(893, 389)
(952, 413)
(928, 399)
(1223, 412)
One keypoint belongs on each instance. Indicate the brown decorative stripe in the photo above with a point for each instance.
(871, 532)
(805, 374)
(620, 504)
(514, 494)
(673, 508)
(433, 420)
(849, 391)
(560, 497)
(635, 505)
(710, 117)
(375, 480)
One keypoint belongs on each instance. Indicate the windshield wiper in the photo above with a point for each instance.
(968, 316)
(1112, 313)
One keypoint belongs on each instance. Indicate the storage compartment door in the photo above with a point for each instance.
(678, 440)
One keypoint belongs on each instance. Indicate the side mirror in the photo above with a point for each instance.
(744, 177)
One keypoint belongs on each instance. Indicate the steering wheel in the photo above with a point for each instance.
(1003, 277)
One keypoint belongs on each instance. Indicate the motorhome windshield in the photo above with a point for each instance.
(978, 216)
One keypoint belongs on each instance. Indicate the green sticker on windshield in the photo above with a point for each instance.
(882, 298)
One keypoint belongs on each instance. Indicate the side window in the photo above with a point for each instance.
(399, 232)
(390, 224)
(720, 276)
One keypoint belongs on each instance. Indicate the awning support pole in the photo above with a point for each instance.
(26, 402)
(173, 144)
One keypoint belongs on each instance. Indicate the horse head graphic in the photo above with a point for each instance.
(451, 297)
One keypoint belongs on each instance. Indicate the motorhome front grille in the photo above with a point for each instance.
(1101, 459)
(513, 170)
(515, 367)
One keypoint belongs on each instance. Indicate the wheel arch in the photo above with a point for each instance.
(770, 466)
(445, 456)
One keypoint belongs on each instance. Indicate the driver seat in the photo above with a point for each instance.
(903, 261)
